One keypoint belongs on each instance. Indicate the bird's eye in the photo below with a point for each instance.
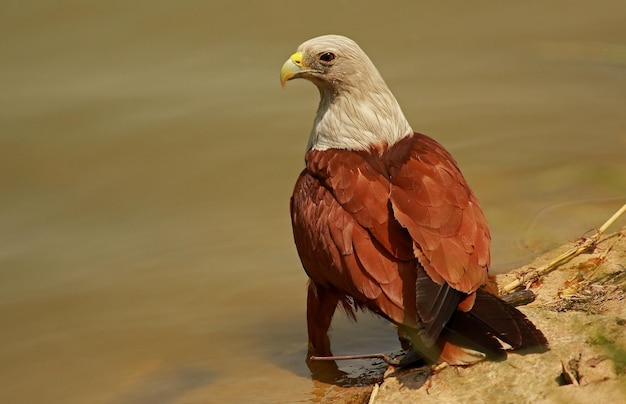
(327, 57)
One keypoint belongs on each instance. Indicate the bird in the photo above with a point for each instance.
(383, 220)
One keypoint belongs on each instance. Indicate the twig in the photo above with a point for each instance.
(583, 245)
(382, 356)
(519, 297)
(439, 367)
(374, 393)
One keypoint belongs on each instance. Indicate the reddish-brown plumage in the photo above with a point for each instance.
(384, 220)
(398, 231)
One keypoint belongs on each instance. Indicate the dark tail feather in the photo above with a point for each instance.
(509, 324)
(463, 330)
(491, 319)
(435, 305)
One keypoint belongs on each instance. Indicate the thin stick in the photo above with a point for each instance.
(583, 246)
(612, 220)
(382, 356)
(519, 297)
(374, 393)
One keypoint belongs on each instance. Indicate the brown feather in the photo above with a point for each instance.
(436, 228)
(384, 220)
(398, 231)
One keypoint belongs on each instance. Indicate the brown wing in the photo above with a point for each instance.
(359, 183)
(432, 200)
(345, 238)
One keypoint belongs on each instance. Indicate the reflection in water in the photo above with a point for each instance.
(147, 156)
(355, 373)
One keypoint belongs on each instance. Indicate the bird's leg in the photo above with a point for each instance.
(321, 305)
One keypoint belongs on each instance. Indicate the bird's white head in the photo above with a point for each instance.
(357, 111)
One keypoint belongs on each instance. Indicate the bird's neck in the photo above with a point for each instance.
(357, 120)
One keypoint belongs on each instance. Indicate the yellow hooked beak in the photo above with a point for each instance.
(291, 68)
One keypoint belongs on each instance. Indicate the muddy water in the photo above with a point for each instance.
(147, 155)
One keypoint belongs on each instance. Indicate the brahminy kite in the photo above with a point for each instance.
(384, 220)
